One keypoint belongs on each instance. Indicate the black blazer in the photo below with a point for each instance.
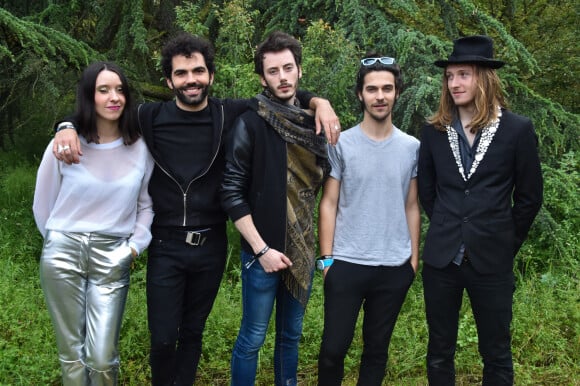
(492, 211)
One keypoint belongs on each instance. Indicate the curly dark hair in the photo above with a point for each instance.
(186, 44)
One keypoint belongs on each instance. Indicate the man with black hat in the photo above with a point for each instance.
(480, 184)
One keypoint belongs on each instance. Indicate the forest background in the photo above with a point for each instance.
(44, 44)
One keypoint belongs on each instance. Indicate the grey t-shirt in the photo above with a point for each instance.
(371, 225)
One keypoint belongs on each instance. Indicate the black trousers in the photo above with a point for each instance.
(381, 292)
(491, 299)
(182, 284)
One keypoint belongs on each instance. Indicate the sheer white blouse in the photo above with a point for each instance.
(106, 193)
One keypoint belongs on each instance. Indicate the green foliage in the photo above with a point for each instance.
(558, 130)
(43, 45)
(236, 80)
(545, 344)
(545, 329)
(548, 65)
(17, 182)
(329, 67)
(27, 349)
(294, 17)
(473, 20)
(44, 42)
(467, 337)
(132, 30)
(121, 34)
(16, 186)
(188, 19)
(557, 52)
(557, 228)
(234, 43)
(235, 77)
(34, 60)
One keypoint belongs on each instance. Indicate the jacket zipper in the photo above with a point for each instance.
(184, 192)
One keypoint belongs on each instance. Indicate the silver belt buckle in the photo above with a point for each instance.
(194, 238)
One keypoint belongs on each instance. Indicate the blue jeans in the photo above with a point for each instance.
(259, 291)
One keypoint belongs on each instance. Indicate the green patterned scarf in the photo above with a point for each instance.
(307, 166)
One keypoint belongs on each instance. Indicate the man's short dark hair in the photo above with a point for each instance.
(277, 41)
(363, 70)
(186, 44)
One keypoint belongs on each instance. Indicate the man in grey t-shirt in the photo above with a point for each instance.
(369, 228)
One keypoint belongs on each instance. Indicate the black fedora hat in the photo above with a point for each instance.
(477, 49)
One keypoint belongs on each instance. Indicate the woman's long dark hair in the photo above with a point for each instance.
(85, 115)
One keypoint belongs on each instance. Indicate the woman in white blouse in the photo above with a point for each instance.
(95, 218)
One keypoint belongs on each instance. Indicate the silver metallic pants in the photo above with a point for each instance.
(85, 278)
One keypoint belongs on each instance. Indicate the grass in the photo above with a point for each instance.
(546, 326)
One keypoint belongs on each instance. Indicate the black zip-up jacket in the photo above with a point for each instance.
(196, 203)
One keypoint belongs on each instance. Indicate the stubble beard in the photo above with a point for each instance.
(377, 118)
(286, 98)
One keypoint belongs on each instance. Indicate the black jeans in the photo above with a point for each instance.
(182, 283)
(491, 303)
(381, 292)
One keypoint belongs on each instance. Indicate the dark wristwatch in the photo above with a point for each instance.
(64, 125)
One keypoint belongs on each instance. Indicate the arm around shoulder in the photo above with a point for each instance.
(326, 119)
(66, 146)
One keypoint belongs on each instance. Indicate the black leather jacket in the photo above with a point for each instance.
(255, 179)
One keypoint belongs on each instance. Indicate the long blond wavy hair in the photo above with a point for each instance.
(488, 97)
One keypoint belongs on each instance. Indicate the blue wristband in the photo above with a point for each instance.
(324, 262)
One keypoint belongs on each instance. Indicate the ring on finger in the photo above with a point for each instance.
(61, 148)
(335, 127)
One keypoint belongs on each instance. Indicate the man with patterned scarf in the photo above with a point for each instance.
(275, 165)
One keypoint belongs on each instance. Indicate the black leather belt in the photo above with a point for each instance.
(192, 237)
